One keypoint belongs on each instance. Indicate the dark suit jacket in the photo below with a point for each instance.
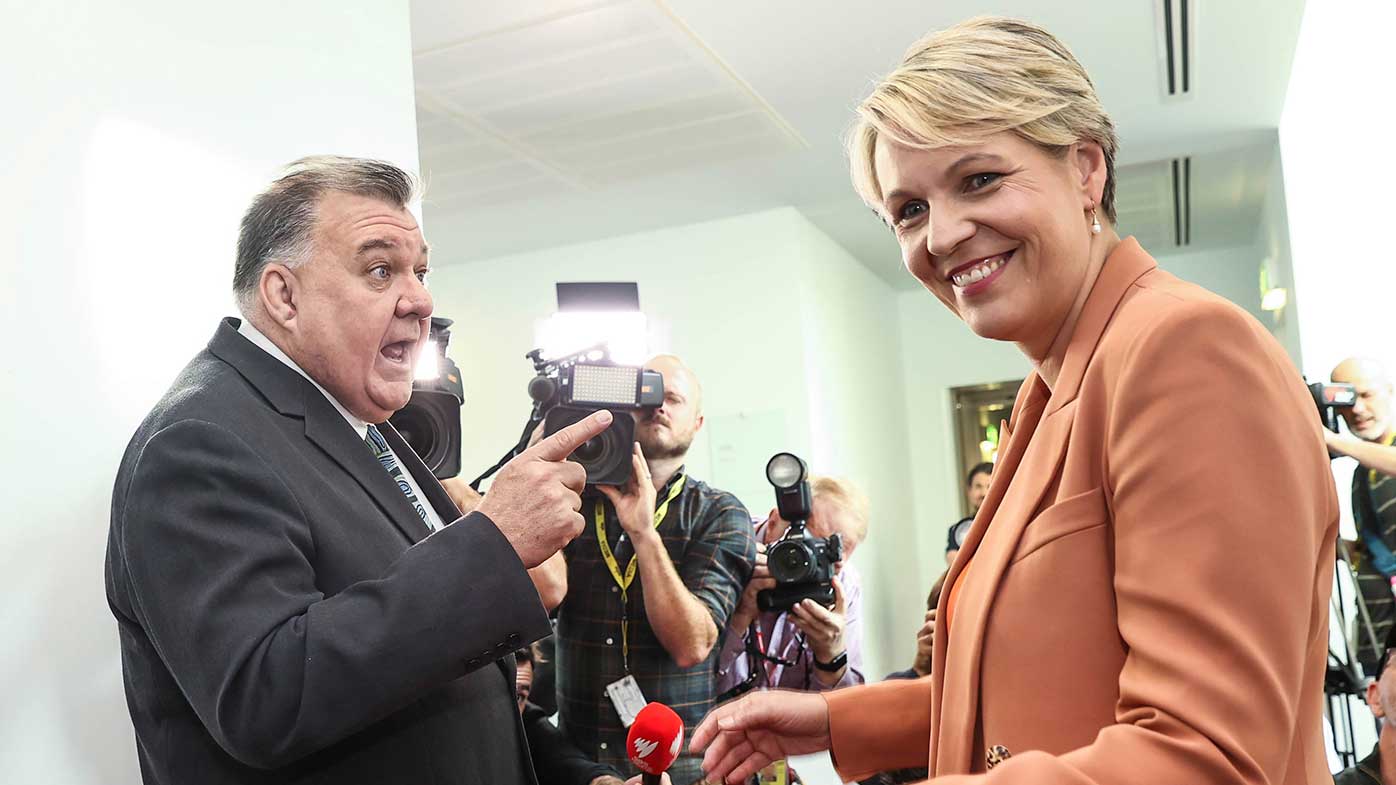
(284, 616)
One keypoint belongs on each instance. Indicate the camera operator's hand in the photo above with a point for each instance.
(761, 579)
(1339, 443)
(925, 644)
(465, 497)
(634, 501)
(745, 735)
(535, 500)
(823, 627)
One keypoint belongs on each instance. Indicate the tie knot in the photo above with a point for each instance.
(375, 441)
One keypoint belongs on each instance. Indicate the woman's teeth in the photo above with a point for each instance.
(980, 271)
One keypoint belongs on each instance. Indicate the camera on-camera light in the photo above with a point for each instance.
(569, 389)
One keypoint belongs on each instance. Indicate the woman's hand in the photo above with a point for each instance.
(744, 736)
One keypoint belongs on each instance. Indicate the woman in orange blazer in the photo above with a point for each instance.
(1143, 595)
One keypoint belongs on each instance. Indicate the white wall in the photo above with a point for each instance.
(1335, 139)
(135, 134)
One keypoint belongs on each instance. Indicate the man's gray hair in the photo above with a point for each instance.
(280, 224)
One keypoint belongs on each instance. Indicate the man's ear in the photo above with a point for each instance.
(1374, 699)
(279, 291)
(1089, 160)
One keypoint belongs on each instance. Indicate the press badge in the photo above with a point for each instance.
(625, 695)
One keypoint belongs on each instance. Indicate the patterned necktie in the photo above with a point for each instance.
(385, 458)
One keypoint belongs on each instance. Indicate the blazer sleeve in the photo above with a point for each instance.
(880, 727)
(1223, 514)
(220, 564)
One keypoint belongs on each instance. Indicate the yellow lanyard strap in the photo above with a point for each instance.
(599, 513)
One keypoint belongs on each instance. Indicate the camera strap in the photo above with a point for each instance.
(624, 581)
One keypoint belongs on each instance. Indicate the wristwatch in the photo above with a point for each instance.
(835, 665)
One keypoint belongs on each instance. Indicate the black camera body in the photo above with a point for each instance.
(1329, 397)
(430, 422)
(567, 390)
(802, 565)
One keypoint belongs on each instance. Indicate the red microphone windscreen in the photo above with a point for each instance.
(655, 738)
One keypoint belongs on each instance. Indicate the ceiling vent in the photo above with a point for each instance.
(1153, 202)
(1182, 201)
(1177, 23)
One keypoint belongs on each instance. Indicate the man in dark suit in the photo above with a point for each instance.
(292, 605)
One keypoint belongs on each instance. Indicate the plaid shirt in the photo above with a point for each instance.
(709, 537)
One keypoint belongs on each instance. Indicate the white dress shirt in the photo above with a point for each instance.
(360, 427)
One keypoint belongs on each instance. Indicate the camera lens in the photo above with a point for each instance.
(417, 427)
(789, 561)
(591, 450)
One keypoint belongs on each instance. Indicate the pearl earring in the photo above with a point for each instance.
(1095, 222)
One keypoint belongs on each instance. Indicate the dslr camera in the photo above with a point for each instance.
(430, 422)
(802, 565)
(568, 389)
(1329, 397)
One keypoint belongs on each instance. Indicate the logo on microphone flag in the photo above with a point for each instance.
(644, 747)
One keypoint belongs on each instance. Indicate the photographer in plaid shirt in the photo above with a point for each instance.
(648, 585)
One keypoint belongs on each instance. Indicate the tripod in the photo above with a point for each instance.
(1343, 681)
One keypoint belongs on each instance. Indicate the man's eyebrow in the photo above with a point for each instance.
(377, 244)
(386, 244)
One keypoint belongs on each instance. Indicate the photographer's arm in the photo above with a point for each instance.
(682, 623)
(1370, 454)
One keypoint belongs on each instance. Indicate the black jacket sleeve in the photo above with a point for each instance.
(219, 558)
(556, 760)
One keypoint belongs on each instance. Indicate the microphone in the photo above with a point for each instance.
(654, 740)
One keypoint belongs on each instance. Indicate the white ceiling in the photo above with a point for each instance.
(546, 122)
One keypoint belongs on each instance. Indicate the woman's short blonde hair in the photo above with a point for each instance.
(846, 496)
(984, 76)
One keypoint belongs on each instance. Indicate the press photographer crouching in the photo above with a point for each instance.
(807, 633)
(1370, 420)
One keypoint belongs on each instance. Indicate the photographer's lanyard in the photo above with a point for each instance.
(599, 511)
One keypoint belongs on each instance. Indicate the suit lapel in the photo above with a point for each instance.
(327, 429)
(1028, 467)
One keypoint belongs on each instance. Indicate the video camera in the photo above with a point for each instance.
(568, 389)
(1329, 397)
(802, 565)
(430, 422)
